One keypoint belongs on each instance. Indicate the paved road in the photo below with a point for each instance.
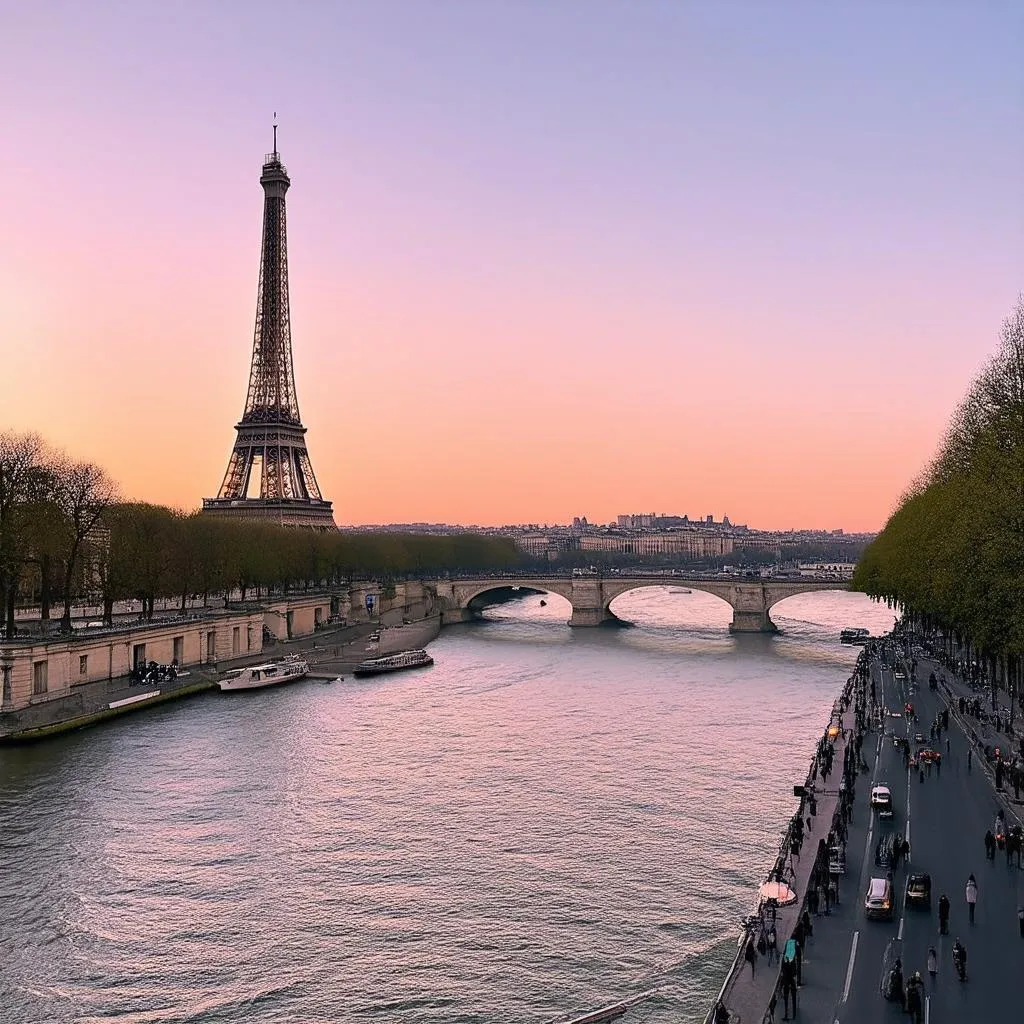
(945, 818)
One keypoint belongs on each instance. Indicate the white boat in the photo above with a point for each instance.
(270, 673)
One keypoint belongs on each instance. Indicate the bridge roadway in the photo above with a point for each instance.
(945, 818)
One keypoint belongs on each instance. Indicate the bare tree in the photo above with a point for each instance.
(23, 460)
(82, 492)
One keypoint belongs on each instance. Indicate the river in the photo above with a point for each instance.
(546, 821)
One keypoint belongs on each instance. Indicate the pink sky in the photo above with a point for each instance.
(545, 261)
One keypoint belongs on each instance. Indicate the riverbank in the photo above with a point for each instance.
(330, 653)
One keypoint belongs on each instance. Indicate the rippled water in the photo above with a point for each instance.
(545, 822)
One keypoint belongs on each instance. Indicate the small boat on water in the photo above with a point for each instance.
(393, 663)
(680, 590)
(271, 673)
(854, 636)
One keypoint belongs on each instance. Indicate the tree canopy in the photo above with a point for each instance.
(953, 551)
(64, 533)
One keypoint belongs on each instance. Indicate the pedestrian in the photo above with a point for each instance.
(788, 978)
(968, 758)
(805, 920)
(1020, 920)
(933, 960)
(971, 892)
(751, 955)
(772, 944)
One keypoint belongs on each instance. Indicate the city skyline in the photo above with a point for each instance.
(542, 260)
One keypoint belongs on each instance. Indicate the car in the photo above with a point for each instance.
(919, 890)
(878, 899)
(919, 737)
(927, 754)
(900, 674)
(881, 801)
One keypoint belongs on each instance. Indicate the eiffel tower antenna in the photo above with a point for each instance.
(269, 474)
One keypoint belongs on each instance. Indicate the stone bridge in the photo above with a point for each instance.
(590, 596)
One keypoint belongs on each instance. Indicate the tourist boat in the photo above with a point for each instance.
(680, 590)
(854, 636)
(271, 673)
(393, 663)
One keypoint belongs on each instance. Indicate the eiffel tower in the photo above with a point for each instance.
(269, 475)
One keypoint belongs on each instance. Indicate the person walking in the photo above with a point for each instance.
(788, 979)
(1020, 920)
(751, 956)
(969, 758)
(971, 892)
(943, 914)
(915, 998)
(933, 961)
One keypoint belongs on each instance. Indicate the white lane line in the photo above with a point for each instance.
(867, 847)
(927, 1008)
(849, 970)
(899, 934)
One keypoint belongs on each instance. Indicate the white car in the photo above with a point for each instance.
(881, 801)
(878, 899)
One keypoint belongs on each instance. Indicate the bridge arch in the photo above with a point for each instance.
(614, 591)
(466, 594)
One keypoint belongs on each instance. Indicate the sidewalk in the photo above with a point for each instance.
(749, 995)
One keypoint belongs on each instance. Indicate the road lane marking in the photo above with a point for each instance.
(849, 970)
(927, 1008)
(899, 934)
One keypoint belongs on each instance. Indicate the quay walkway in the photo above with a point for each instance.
(944, 819)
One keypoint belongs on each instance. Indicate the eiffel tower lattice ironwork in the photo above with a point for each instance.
(269, 474)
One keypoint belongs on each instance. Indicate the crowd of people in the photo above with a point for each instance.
(859, 709)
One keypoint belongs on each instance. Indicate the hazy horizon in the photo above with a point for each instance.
(546, 260)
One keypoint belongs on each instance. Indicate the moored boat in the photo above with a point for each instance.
(271, 673)
(393, 663)
(854, 636)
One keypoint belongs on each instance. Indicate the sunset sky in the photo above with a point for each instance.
(547, 259)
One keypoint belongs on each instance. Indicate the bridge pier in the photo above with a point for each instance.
(589, 607)
(750, 604)
(450, 616)
(752, 622)
(590, 616)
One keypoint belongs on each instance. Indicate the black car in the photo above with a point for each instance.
(919, 890)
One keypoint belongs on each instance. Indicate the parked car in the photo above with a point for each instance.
(919, 890)
(878, 899)
(927, 754)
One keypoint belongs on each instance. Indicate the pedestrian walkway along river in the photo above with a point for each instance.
(544, 822)
(943, 803)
